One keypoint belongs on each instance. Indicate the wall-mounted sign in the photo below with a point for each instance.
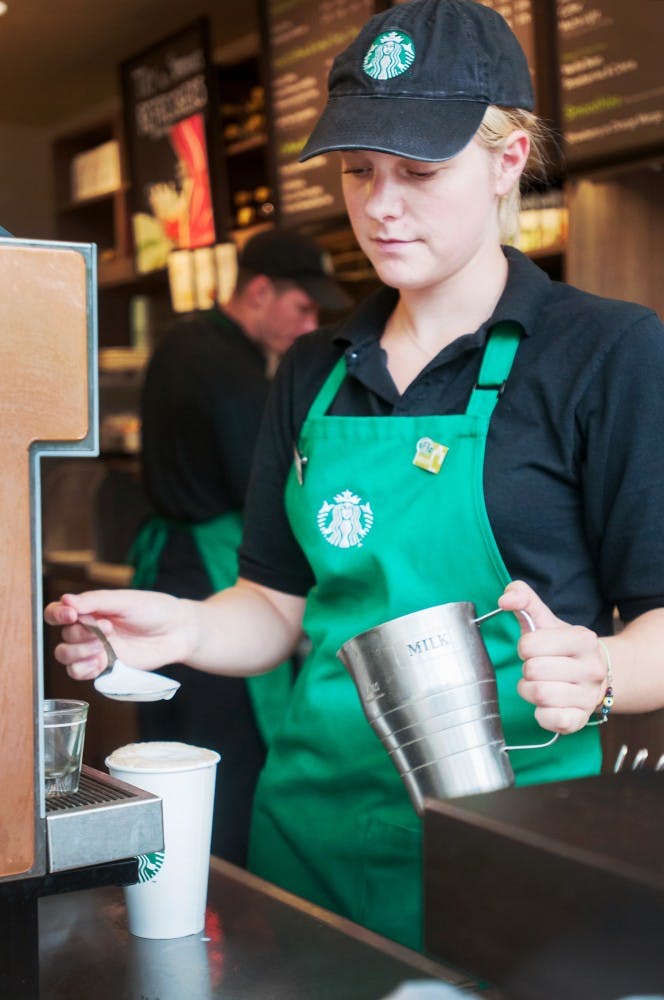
(612, 89)
(302, 39)
(166, 94)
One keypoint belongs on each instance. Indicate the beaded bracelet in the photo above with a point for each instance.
(606, 703)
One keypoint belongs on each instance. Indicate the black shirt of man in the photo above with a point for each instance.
(203, 397)
(204, 392)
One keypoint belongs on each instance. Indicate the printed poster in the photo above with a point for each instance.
(168, 112)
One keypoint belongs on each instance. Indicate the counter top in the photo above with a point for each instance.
(570, 875)
(259, 943)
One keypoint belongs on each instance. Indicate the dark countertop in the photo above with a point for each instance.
(571, 879)
(259, 943)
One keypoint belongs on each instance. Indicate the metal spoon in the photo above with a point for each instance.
(108, 649)
(123, 683)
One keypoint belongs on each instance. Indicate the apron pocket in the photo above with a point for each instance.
(390, 900)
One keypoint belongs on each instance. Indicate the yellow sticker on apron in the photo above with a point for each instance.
(429, 455)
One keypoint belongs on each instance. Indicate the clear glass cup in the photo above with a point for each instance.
(64, 735)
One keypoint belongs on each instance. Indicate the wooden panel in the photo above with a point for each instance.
(43, 396)
(616, 236)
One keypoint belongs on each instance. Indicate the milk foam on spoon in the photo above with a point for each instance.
(124, 683)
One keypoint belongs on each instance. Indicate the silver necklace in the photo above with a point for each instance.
(411, 336)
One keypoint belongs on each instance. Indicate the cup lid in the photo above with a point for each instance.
(161, 756)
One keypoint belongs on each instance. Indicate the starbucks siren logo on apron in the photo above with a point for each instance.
(389, 55)
(345, 522)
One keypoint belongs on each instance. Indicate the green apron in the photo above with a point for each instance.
(332, 820)
(217, 542)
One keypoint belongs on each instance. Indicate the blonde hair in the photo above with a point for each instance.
(497, 126)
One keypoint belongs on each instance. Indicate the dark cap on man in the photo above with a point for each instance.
(418, 79)
(284, 253)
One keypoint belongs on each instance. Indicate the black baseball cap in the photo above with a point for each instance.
(418, 78)
(284, 253)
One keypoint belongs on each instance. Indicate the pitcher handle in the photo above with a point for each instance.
(531, 625)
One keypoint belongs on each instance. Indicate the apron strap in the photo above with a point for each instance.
(329, 389)
(499, 353)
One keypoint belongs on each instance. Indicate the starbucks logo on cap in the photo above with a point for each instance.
(390, 54)
(150, 865)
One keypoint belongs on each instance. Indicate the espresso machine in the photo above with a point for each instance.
(49, 406)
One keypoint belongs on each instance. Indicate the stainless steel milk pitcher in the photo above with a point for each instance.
(428, 689)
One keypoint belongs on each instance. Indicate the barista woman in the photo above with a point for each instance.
(472, 424)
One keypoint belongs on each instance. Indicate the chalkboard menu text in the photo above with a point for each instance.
(302, 40)
(612, 90)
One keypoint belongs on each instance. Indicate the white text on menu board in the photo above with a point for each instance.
(304, 39)
(610, 71)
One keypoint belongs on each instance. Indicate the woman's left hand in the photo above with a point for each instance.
(564, 672)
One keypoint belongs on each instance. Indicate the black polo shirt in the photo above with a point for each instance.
(574, 467)
(202, 401)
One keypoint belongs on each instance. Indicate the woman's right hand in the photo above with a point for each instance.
(146, 629)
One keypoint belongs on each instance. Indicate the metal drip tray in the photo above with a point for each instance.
(105, 820)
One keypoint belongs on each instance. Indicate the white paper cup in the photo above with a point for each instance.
(169, 899)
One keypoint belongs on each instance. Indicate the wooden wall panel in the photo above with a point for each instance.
(616, 236)
(43, 396)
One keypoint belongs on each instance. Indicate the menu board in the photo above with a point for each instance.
(166, 97)
(612, 88)
(302, 40)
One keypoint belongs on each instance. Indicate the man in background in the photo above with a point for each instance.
(202, 402)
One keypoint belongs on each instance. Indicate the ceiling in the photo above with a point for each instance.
(60, 59)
